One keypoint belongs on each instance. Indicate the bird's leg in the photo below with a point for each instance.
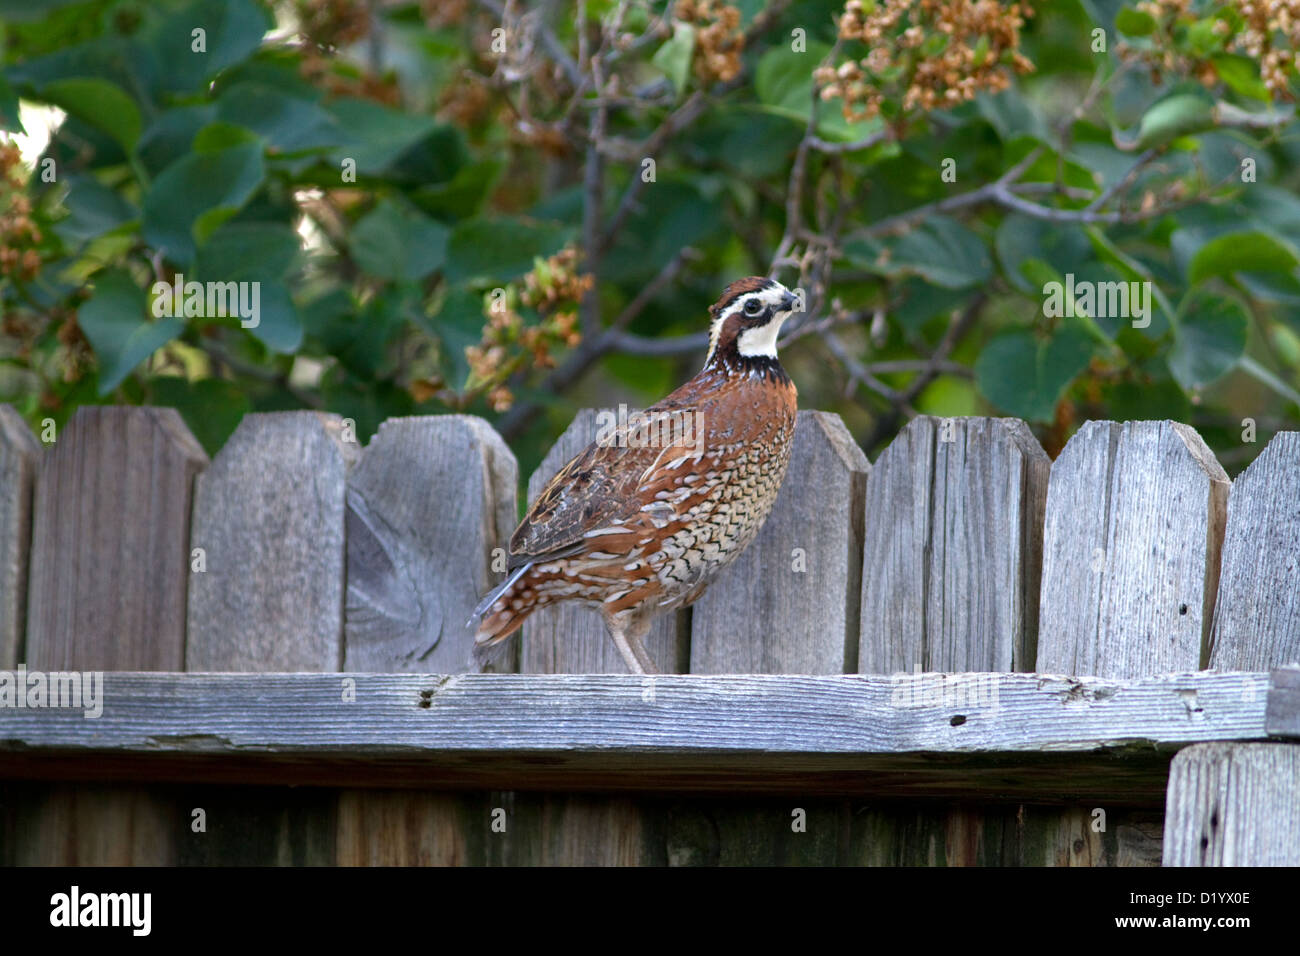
(627, 634)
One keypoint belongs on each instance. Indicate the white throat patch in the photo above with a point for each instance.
(762, 340)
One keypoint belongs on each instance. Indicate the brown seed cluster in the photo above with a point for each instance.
(1269, 34)
(925, 54)
(719, 41)
(553, 290)
(19, 233)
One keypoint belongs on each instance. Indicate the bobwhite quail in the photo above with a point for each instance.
(637, 528)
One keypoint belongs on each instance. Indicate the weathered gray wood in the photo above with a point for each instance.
(570, 638)
(1283, 712)
(954, 511)
(429, 502)
(1257, 614)
(1234, 805)
(789, 603)
(1135, 516)
(19, 458)
(268, 515)
(110, 542)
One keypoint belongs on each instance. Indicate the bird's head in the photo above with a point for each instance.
(748, 318)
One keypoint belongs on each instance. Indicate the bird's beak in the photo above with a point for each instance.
(788, 302)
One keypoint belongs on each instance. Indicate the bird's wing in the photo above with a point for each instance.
(595, 490)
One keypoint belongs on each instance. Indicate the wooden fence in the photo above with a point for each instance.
(964, 653)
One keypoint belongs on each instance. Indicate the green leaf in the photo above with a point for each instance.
(288, 123)
(93, 209)
(784, 83)
(1175, 116)
(171, 135)
(99, 103)
(1241, 251)
(1208, 340)
(113, 320)
(232, 30)
(248, 250)
(1025, 376)
(182, 200)
(944, 252)
(9, 119)
(1134, 23)
(1021, 238)
(393, 241)
(278, 326)
(378, 135)
(674, 57)
(1241, 74)
(500, 248)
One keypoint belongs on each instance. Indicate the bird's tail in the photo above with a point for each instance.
(496, 623)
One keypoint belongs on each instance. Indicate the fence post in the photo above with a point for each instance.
(789, 603)
(954, 513)
(110, 541)
(19, 458)
(266, 569)
(1135, 516)
(429, 504)
(1257, 614)
(570, 638)
(1233, 805)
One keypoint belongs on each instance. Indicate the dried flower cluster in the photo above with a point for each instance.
(924, 54)
(1271, 35)
(719, 40)
(1266, 31)
(553, 290)
(19, 234)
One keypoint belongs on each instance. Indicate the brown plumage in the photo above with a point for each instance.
(640, 522)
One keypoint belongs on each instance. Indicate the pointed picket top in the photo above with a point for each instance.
(266, 565)
(110, 542)
(1135, 517)
(954, 513)
(430, 509)
(789, 603)
(1257, 614)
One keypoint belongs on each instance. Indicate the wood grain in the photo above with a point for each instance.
(110, 542)
(1257, 614)
(429, 502)
(1135, 517)
(789, 603)
(570, 638)
(268, 515)
(20, 456)
(953, 548)
(1234, 805)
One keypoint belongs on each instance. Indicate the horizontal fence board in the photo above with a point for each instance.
(1135, 516)
(932, 734)
(1234, 805)
(110, 541)
(1257, 615)
(19, 458)
(789, 603)
(268, 514)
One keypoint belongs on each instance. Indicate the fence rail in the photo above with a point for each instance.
(1131, 558)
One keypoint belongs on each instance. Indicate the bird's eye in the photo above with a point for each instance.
(753, 307)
